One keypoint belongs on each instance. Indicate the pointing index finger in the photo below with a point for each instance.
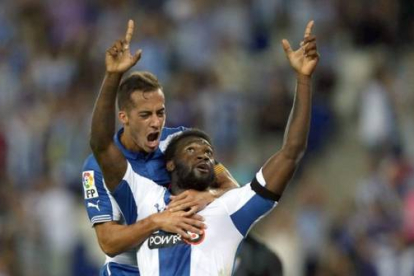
(129, 32)
(308, 29)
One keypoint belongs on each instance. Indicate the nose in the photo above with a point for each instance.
(155, 122)
(203, 156)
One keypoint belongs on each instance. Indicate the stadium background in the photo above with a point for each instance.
(350, 209)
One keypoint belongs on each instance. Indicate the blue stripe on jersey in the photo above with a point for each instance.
(115, 269)
(175, 260)
(166, 131)
(125, 199)
(250, 212)
(105, 212)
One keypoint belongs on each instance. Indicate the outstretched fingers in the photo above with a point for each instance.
(137, 56)
(129, 33)
(286, 47)
(308, 30)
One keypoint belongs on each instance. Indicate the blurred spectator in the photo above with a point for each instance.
(377, 116)
(222, 67)
(311, 224)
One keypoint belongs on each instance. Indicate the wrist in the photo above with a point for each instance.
(113, 75)
(154, 224)
(303, 79)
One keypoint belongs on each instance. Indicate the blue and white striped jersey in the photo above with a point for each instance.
(228, 220)
(99, 203)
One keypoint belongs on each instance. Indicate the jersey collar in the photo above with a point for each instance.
(128, 154)
(167, 198)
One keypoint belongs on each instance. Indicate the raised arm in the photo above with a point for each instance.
(279, 169)
(118, 60)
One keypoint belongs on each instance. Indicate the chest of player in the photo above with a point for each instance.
(152, 168)
(212, 251)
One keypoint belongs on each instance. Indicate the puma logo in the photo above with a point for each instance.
(90, 204)
(158, 207)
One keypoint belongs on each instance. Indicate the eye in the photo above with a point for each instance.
(209, 152)
(190, 150)
(144, 115)
(161, 113)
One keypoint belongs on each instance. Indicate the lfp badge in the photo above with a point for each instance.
(88, 181)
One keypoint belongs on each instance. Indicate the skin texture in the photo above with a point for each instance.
(115, 238)
(147, 116)
(277, 171)
(279, 168)
(194, 156)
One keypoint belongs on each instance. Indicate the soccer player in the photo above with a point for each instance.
(190, 159)
(142, 140)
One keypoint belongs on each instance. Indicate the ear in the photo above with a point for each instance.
(170, 166)
(123, 117)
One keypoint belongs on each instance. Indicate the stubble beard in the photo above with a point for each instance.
(188, 179)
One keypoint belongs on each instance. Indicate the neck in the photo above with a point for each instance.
(128, 143)
(175, 189)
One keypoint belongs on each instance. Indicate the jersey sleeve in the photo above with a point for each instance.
(132, 191)
(99, 204)
(167, 134)
(246, 206)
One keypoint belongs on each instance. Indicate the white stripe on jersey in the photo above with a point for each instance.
(164, 143)
(228, 220)
(116, 213)
(102, 218)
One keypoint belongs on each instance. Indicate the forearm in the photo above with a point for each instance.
(103, 117)
(279, 169)
(115, 238)
(297, 129)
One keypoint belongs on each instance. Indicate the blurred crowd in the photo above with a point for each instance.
(350, 209)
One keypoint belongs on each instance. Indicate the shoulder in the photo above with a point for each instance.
(167, 131)
(91, 164)
(167, 134)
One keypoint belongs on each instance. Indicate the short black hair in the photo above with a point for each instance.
(137, 81)
(175, 141)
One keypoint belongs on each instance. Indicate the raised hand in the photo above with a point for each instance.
(118, 58)
(305, 59)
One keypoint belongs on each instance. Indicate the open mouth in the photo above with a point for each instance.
(203, 167)
(152, 139)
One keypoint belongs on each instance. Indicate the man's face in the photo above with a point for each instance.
(144, 121)
(194, 164)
